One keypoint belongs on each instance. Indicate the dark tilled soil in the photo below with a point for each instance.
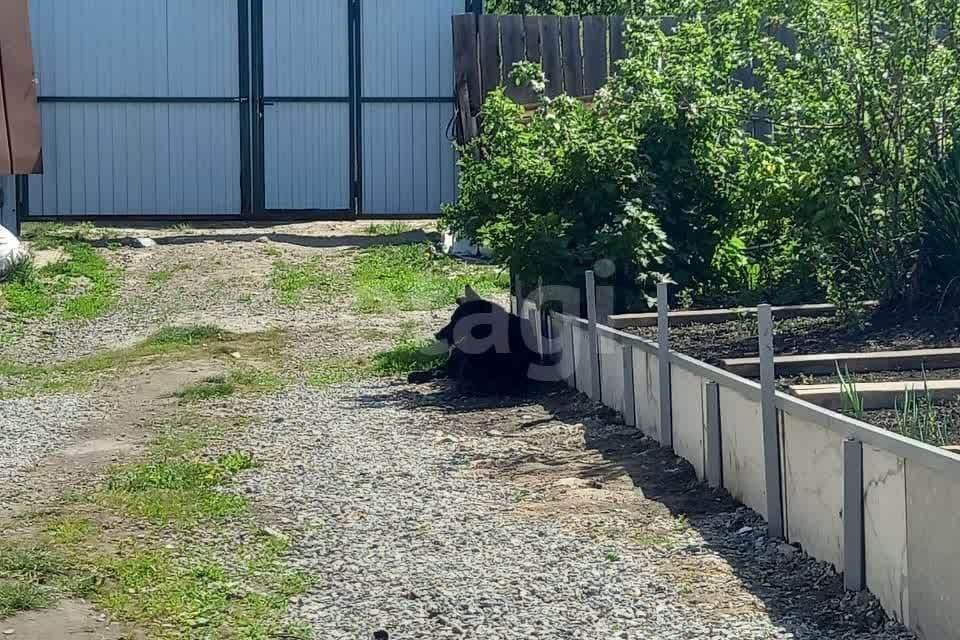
(916, 375)
(882, 332)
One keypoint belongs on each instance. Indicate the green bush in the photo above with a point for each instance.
(938, 281)
(553, 193)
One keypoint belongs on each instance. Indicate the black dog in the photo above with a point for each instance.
(490, 349)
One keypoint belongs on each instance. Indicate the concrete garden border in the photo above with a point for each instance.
(880, 507)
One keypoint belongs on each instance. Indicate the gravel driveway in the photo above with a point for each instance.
(423, 514)
(407, 532)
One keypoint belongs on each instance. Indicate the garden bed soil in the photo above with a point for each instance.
(875, 376)
(796, 336)
(948, 416)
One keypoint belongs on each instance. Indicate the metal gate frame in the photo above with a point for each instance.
(242, 98)
(250, 96)
(260, 101)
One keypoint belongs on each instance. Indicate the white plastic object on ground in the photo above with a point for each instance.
(12, 252)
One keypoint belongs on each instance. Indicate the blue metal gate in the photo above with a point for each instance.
(180, 108)
(141, 105)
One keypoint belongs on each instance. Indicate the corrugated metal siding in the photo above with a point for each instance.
(409, 166)
(408, 48)
(137, 158)
(306, 142)
(408, 163)
(307, 153)
(136, 48)
(306, 48)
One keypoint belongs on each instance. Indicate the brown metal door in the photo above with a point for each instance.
(20, 137)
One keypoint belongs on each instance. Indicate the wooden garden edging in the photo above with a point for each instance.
(879, 507)
(828, 363)
(704, 316)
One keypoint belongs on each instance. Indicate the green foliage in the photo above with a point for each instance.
(563, 7)
(917, 417)
(389, 229)
(177, 490)
(863, 109)
(84, 286)
(851, 398)
(415, 278)
(938, 281)
(238, 381)
(554, 193)
(310, 281)
(409, 355)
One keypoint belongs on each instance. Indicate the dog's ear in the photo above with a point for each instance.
(469, 294)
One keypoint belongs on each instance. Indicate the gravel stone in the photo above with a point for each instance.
(32, 428)
(404, 537)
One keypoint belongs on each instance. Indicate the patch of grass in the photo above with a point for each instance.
(70, 530)
(200, 598)
(296, 283)
(186, 434)
(28, 563)
(332, 371)
(163, 276)
(176, 491)
(186, 336)
(195, 341)
(50, 235)
(239, 381)
(237, 461)
(16, 596)
(409, 355)
(413, 278)
(389, 229)
(83, 287)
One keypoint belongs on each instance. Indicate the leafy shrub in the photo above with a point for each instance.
(561, 7)
(938, 281)
(554, 192)
(863, 108)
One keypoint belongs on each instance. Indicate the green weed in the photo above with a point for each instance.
(70, 530)
(851, 398)
(83, 287)
(176, 491)
(239, 381)
(409, 355)
(412, 278)
(332, 371)
(389, 229)
(32, 380)
(294, 284)
(917, 417)
(18, 596)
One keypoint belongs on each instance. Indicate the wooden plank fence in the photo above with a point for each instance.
(20, 137)
(577, 54)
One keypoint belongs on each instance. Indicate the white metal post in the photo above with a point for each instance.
(770, 423)
(593, 338)
(663, 360)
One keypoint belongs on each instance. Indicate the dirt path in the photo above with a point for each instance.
(362, 506)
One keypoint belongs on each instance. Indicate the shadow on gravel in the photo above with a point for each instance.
(803, 596)
(316, 242)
